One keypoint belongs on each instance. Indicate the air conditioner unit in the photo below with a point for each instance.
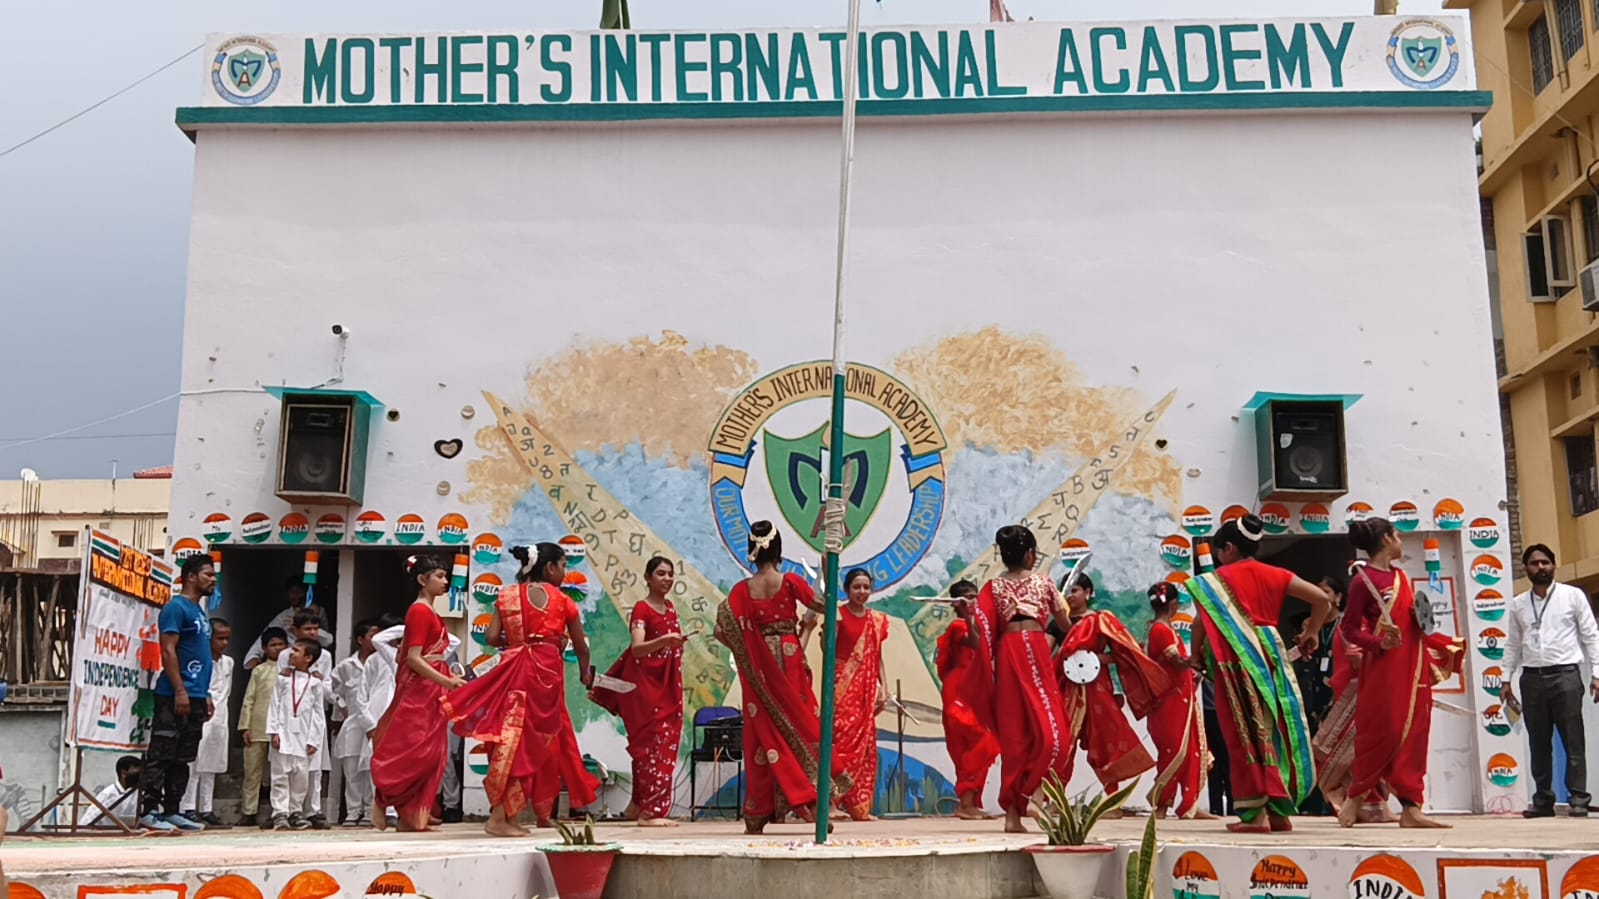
(1588, 280)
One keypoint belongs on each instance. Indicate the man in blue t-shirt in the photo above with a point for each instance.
(182, 698)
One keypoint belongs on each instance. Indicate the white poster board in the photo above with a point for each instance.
(116, 651)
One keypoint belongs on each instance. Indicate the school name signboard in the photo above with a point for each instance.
(1016, 61)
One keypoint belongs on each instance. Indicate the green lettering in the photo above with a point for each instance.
(1096, 39)
(1066, 54)
(966, 67)
(1334, 50)
(395, 46)
(800, 74)
(1230, 57)
(596, 68)
(680, 44)
(652, 46)
(732, 66)
(1212, 72)
(1284, 61)
(621, 66)
(347, 66)
(761, 65)
(880, 85)
(995, 89)
(935, 66)
(506, 69)
(458, 68)
(434, 70)
(835, 42)
(320, 74)
(557, 67)
(1152, 63)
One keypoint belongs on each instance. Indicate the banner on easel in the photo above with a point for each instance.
(116, 651)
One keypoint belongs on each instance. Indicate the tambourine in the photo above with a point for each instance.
(1082, 667)
(1421, 607)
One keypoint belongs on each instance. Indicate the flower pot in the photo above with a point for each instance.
(1070, 872)
(580, 872)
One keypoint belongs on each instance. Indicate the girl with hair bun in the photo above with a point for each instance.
(1015, 684)
(1393, 703)
(759, 622)
(519, 707)
(1237, 646)
(1177, 722)
(407, 769)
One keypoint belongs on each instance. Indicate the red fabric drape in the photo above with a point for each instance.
(972, 747)
(1094, 710)
(410, 745)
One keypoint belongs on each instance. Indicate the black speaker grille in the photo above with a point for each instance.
(1308, 446)
(314, 449)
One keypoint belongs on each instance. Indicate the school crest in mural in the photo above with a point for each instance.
(894, 482)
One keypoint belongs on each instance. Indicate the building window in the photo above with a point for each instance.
(1582, 474)
(1590, 224)
(1542, 52)
(1557, 252)
(66, 539)
(1576, 386)
(1569, 15)
(1537, 267)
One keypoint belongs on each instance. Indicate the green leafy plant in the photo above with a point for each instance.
(572, 836)
(1141, 865)
(1067, 821)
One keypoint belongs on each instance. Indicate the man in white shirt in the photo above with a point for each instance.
(294, 589)
(1551, 632)
(121, 798)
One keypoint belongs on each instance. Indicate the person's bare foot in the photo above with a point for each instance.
(867, 817)
(1349, 812)
(1115, 813)
(972, 814)
(1412, 817)
(631, 812)
(504, 828)
(656, 822)
(1013, 822)
(1202, 815)
(1280, 823)
(1335, 797)
(1160, 814)
(380, 821)
(1248, 827)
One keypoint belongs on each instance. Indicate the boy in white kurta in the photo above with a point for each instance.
(212, 758)
(351, 746)
(308, 626)
(297, 725)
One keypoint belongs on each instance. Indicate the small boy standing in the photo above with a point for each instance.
(298, 726)
(253, 721)
(212, 758)
(308, 626)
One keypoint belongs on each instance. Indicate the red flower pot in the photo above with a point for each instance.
(580, 873)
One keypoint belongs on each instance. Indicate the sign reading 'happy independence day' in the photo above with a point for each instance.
(1014, 60)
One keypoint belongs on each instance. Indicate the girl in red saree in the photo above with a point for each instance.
(759, 622)
(411, 742)
(1177, 723)
(518, 707)
(652, 712)
(1399, 665)
(860, 693)
(972, 747)
(1016, 681)
(1236, 644)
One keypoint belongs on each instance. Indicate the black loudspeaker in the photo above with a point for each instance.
(1300, 450)
(322, 449)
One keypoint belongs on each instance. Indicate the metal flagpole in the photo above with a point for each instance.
(835, 453)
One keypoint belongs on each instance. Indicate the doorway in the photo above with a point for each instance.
(380, 587)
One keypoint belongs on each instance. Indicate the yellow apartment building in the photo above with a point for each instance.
(1540, 183)
(42, 521)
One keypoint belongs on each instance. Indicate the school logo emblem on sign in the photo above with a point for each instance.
(1423, 54)
(245, 71)
(894, 480)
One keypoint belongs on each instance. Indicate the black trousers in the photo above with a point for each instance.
(1551, 700)
(174, 743)
(1220, 778)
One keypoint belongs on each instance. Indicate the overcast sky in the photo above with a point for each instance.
(94, 218)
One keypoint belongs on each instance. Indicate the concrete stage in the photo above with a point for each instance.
(905, 858)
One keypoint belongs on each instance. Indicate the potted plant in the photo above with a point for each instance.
(1069, 865)
(1141, 865)
(579, 865)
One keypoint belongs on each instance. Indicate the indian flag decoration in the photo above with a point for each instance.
(458, 585)
(1183, 624)
(409, 529)
(255, 527)
(1489, 605)
(1405, 516)
(1194, 877)
(393, 884)
(218, 528)
(486, 588)
(184, 548)
(330, 528)
(1491, 643)
(477, 758)
(1493, 680)
(312, 559)
(1449, 515)
(1357, 511)
(480, 629)
(1387, 876)
(487, 549)
(1198, 521)
(1487, 570)
(576, 550)
(1176, 551)
(1178, 578)
(1581, 880)
(577, 586)
(215, 602)
(1495, 721)
(452, 529)
(370, 527)
(1503, 769)
(1314, 518)
(312, 885)
(1433, 556)
(293, 528)
(1233, 513)
(1278, 877)
(1275, 517)
(1483, 533)
(1073, 549)
(1206, 563)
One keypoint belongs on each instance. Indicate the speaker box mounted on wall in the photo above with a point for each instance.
(1300, 447)
(322, 445)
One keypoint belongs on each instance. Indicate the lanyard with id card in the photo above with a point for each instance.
(1537, 617)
